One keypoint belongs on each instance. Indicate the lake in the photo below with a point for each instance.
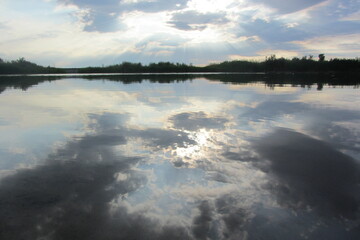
(218, 156)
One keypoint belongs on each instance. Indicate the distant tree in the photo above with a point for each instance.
(271, 58)
(321, 57)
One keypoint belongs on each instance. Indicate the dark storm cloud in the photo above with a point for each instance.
(309, 172)
(290, 5)
(193, 121)
(192, 20)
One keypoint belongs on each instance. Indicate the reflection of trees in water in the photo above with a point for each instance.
(23, 82)
(270, 80)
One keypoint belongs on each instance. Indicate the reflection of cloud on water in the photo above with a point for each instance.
(162, 138)
(69, 196)
(86, 191)
(330, 124)
(342, 135)
(198, 178)
(309, 172)
(333, 98)
(193, 121)
(71, 190)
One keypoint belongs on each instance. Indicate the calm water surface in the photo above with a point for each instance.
(178, 157)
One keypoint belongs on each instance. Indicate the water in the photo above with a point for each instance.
(179, 157)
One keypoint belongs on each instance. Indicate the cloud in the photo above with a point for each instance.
(155, 5)
(107, 122)
(97, 16)
(273, 32)
(112, 130)
(161, 40)
(346, 44)
(235, 218)
(193, 20)
(95, 33)
(102, 22)
(276, 108)
(352, 17)
(242, 155)
(3, 25)
(193, 121)
(76, 194)
(202, 223)
(309, 172)
(342, 137)
(96, 183)
(221, 219)
(72, 189)
(162, 138)
(289, 6)
(272, 109)
(105, 16)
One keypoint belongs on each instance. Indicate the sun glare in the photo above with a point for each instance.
(191, 153)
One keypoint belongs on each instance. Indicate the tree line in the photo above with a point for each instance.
(271, 80)
(22, 66)
(270, 64)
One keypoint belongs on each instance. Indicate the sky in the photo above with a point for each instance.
(79, 33)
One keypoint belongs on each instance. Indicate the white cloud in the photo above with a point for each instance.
(79, 32)
(336, 45)
(193, 20)
(352, 17)
(289, 6)
(278, 53)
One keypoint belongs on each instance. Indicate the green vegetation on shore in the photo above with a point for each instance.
(22, 66)
(271, 64)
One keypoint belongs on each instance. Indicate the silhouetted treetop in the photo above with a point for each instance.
(271, 64)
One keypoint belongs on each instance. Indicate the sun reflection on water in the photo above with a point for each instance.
(205, 143)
